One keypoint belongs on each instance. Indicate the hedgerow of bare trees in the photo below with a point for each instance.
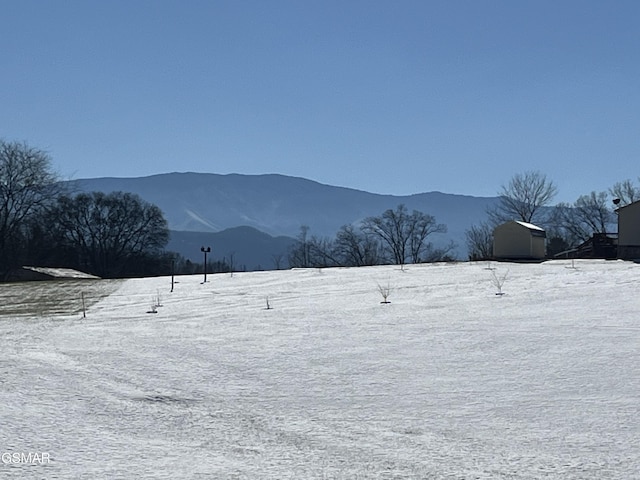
(108, 233)
(312, 251)
(301, 255)
(396, 236)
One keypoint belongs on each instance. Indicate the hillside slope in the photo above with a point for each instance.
(449, 380)
(250, 249)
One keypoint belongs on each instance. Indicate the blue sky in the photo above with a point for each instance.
(391, 97)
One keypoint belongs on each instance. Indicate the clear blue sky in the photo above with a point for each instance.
(391, 97)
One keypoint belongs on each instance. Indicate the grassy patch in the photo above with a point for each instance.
(56, 297)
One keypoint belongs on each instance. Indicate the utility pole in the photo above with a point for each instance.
(205, 251)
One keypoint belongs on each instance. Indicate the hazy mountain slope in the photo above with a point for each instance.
(251, 249)
(279, 205)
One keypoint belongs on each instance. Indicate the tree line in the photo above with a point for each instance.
(41, 223)
(397, 236)
(528, 197)
(119, 234)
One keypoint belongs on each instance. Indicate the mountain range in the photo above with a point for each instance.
(200, 206)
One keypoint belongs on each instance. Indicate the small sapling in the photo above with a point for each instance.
(385, 291)
(498, 281)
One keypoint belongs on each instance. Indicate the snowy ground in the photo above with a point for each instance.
(448, 381)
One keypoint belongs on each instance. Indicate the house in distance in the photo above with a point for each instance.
(629, 231)
(517, 240)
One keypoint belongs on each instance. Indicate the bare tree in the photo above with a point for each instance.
(323, 252)
(385, 291)
(300, 253)
(595, 212)
(480, 241)
(311, 251)
(27, 186)
(443, 253)
(558, 238)
(588, 215)
(391, 228)
(566, 226)
(626, 191)
(231, 262)
(523, 198)
(422, 226)
(277, 259)
(355, 248)
(109, 233)
(403, 234)
(498, 281)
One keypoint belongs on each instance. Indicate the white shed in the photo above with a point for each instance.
(519, 241)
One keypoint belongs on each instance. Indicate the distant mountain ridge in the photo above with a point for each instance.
(279, 205)
(243, 248)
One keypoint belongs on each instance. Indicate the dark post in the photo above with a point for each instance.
(173, 271)
(205, 251)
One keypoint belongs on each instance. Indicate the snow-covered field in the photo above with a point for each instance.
(448, 381)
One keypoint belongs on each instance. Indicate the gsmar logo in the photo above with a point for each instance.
(31, 458)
